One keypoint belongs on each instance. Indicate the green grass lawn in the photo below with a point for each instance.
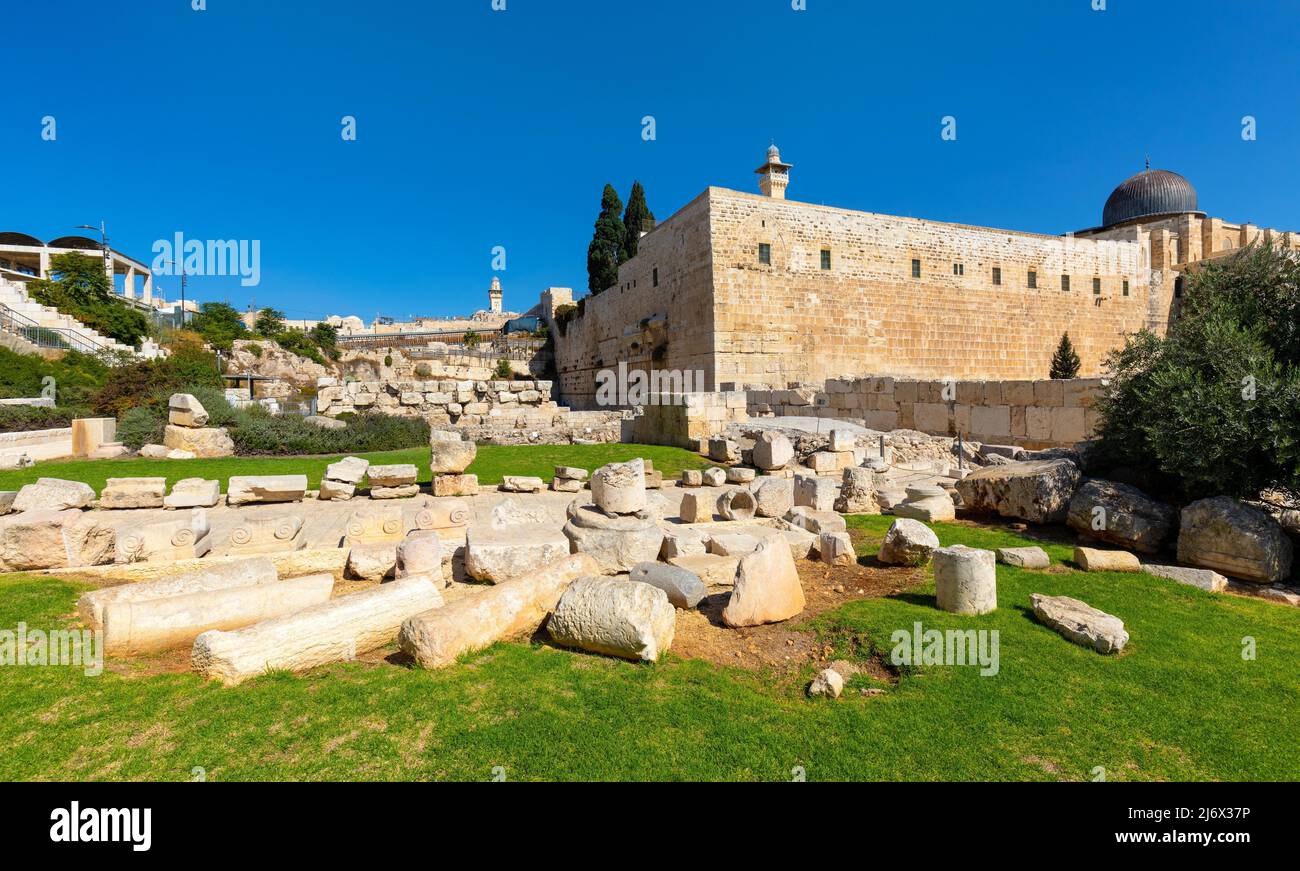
(492, 462)
(1179, 703)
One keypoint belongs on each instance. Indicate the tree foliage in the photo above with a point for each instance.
(1212, 406)
(634, 219)
(81, 289)
(606, 249)
(269, 323)
(1065, 362)
(220, 324)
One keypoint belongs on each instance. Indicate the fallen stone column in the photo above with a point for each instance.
(333, 631)
(620, 618)
(159, 624)
(244, 573)
(508, 609)
(965, 580)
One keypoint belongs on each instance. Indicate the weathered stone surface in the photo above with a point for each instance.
(372, 561)
(732, 544)
(723, 450)
(824, 461)
(803, 544)
(815, 522)
(522, 484)
(1120, 514)
(828, 682)
(53, 494)
(683, 587)
(857, 492)
(618, 543)
(740, 475)
(626, 619)
(53, 539)
(336, 491)
(965, 580)
(908, 543)
(836, 549)
(349, 470)
(325, 422)
(566, 485)
(122, 493)
(193, 493)
(571, 473)
(403, 491)
(928, 504)
(1091, 559)
(697, 506)
(333, 631)
(500, 555)
(654, 479)
(773, 497)
(455, 485)
(842, 440)
(443, 514)
(183, 409)
(510, 609)
(7, 498)
(420, 554)
(152, 625)
(1205, 579)
(1024, 557)
(692, 478)
(251, 489)
(450, 452)
(1235, 539)
(1038, 490)
(816, 493)
(267, 535)
(713, 570)
(397, 475)
(682, 541)
(195, 579)
(203, 442)
(772, 451)
(374, 523)
(619, 488)
(178, 538)
(714, 477)
(1080, 622)
(767, 587)
(736, 504)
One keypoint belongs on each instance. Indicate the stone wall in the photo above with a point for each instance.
(38, 444)
(685, 419)
(1033, 414)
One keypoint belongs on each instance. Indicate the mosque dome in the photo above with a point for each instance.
(1150, 193)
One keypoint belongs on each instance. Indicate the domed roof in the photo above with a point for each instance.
(1149, 193)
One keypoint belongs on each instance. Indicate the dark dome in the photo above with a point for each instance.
(1149, 193)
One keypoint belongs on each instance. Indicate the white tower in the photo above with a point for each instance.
(494, 296)
(773, 176)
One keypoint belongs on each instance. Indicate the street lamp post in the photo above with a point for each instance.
(181, 264)
(103, 248)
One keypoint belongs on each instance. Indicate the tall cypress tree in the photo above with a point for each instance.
(1065, 362)
(606, 248)
(634, 219)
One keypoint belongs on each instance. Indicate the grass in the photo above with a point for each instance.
(1179, 703)
(491, 464)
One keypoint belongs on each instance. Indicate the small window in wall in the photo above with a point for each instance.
(826, 258)
(765, 253)
(1033, 279)
(1178, 287)
(654, 276)
(916, 268)
(997, 276)
(1065, 282)
(1096, 287)
(959, 269)
(1126, 287)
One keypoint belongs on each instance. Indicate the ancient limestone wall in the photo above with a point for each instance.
(649, 326)
(793, 320)
(683, 419)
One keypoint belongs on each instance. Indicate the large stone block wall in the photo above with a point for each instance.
(685, 419)
(1033, 414)
(794, 321)
(441, 402)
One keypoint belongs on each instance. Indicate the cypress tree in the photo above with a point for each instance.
(1065, 363)
(606, 248)
(634, 219)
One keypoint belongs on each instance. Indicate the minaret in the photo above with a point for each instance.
(494, 296)
(773, 176)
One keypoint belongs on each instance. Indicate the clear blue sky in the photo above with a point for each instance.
(479, 128)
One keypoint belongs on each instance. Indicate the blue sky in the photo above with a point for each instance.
(478, 128)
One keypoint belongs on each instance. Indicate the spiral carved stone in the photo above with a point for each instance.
(392, 526)
(183, 537)
(286, 529)
(241, 535)
(132, 545)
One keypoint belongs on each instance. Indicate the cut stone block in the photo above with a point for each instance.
(767, 587)
(1038, 491)
(732, 544)
(713, 570)
(908, 543)
(816, 493)
(522, 484)
(714, 477)
(252, 489)
(619, 618)
(773, 497)
(193, 493)
(740, 475)
(619, 488)
(683, 587)
(772, 451)
(33, 540)
(1236, 539)
(450, 452)
(1204, 579)
(372, 561)
(1093, 560)
(198, 579)
(188, 537)
(160, 624)
(336, 491)
(403, 491)
(53, 494)
(455, 485)
(681, 541)
(965, 580)
(420, 554)
(349, 470)
(692, 478)
(183, 409)
(514, 608)
(1024, 557)
(334, 631)
(1080, 622)
(815, 522)
(392, 476)
(836, 549)
(267, 535)
(500, 555)
(618, 543)
(842, 440)
(122, 493)
(697, 506)
(205, 442)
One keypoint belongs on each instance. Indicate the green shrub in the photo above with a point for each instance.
(254, 349)
(188, 367)
(1212, 406)
(141, 425)
(77, 376)
(255, 432)
(81, 289)
(503, 371)
(26, 418)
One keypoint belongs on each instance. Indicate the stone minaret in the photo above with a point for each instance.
(773, 176)
(494, 296)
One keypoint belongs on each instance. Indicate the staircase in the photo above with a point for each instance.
(47, 327)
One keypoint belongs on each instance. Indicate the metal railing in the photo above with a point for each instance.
(60, 338)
